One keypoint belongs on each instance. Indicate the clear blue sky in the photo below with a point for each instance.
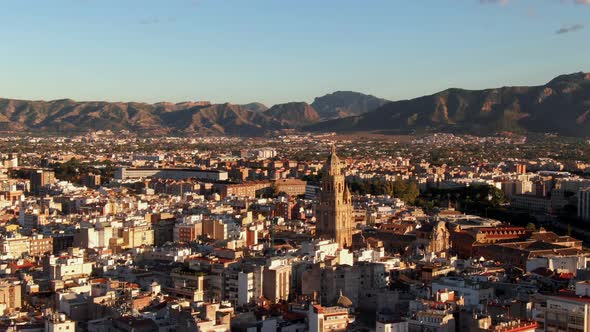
(283, 50)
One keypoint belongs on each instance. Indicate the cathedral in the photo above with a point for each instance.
(432, 238)
(334, 212)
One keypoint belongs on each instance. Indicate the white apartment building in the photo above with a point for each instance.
(66, 267)
(560, 263)
(566, 311)
(170, 173)
(473, 293)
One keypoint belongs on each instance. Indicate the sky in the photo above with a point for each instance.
(276, 51)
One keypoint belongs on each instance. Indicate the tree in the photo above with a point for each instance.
(399, 187)
(531, 227)
(358, 187)
(410, 193)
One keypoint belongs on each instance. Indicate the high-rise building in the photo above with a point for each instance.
(276, 278)
(91, 180)
(187, 231)
(584, 203)
(334, 212)
(40, 179)
(214, 229)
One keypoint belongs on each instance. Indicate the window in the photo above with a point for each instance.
(576, 320)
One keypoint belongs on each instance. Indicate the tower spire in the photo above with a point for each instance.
(333, 164)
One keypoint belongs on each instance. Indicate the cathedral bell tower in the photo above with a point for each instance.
(334, 212)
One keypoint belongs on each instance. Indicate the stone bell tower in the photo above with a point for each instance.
(334, 212)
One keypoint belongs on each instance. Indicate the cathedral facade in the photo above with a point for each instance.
(334, 212)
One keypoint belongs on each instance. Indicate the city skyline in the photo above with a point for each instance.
(280, 165)
(273, 52)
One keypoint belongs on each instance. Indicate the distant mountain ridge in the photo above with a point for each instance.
(561, 106)
(294, 114)
(66, 115)
(255, 107)
(342, 104)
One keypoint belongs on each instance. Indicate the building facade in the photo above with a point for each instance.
(124, 173)
(584, 204)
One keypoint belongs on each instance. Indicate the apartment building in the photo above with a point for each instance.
(10, 295)
(277, 280)
(324, 319)
(566, 310)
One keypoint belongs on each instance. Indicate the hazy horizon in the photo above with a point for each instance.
(270, 105)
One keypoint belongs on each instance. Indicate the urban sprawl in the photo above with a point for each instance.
(295, 232)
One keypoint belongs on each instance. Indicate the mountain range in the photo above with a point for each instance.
(253, 119)
(561, 106)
